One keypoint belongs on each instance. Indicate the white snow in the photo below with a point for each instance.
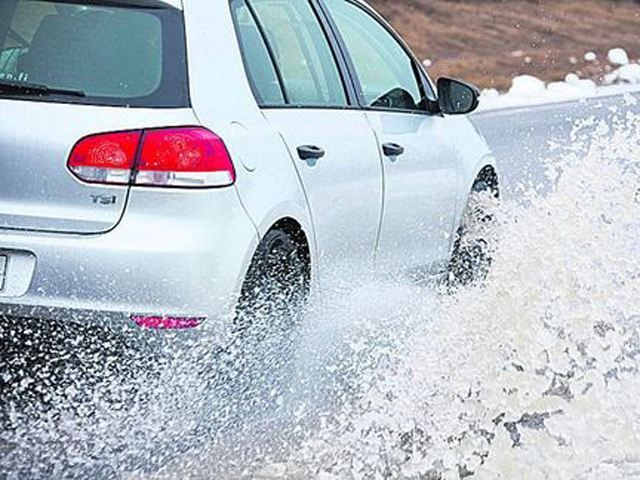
(590, 57)
(527, 90)
(629, 73)
(489, 95)
(526, 86)
(618, 56)
(629, 99)
(572, 78)
(530, 90)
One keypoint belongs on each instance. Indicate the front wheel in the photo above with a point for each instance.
(476, 237)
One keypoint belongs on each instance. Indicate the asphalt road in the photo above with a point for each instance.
(522, 138)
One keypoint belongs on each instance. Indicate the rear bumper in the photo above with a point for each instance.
(174, 253)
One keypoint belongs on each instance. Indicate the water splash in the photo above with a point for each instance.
(534, 374)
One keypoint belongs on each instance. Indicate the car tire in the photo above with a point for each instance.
(256, 366)
(276, 286)
(475, 239)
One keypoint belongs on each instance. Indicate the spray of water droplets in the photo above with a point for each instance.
(533, 374)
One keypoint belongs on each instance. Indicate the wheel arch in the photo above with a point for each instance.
(486, 174)
(294, 229)
(486, 171)
(489, 175)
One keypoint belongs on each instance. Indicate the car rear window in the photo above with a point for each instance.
(114, 54)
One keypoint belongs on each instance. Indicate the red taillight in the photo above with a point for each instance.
(184, 157)
(106, 158)
(169, 157)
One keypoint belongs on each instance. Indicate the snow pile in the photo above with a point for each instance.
(529, 90)
(590, 57)
(618, 56)
(626, 74)
(527, 86)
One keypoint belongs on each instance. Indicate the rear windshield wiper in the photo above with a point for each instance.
(22, 88)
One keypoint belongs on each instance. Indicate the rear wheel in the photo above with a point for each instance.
(276, 287)
(475, 239)
(272, 302)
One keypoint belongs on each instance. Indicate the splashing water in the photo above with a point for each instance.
(533, 374)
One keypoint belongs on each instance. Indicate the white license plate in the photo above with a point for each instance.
(3, 271)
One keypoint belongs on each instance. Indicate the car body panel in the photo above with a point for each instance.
(421, 190)
(343, 188)
(268, 185)
(181, 252)
(194, 268)
(37, 190)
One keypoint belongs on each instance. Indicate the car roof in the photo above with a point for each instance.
(153, 3)
(174, 3)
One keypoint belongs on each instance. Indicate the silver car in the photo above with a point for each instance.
(172, 165)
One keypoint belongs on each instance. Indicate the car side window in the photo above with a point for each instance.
(386, 72)
(260, 69)
(301, 51)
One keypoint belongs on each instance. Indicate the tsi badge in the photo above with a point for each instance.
(104, 199)
(3, 270)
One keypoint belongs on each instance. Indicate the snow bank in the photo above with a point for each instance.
(554, 92)
(629, 73)
(626, 73)
(528, 90)
(527, 86)
(618, 56)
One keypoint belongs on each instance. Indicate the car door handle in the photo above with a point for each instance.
(310, 152)
(392, 149)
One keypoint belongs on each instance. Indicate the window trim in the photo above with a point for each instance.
(334, 46)
(424, 82)
(338, 60)
(346, 68)
(268, 47)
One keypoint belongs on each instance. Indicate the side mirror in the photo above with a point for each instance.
(456, 97)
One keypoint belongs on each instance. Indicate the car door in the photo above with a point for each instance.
(298, 83)
(421, 164)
